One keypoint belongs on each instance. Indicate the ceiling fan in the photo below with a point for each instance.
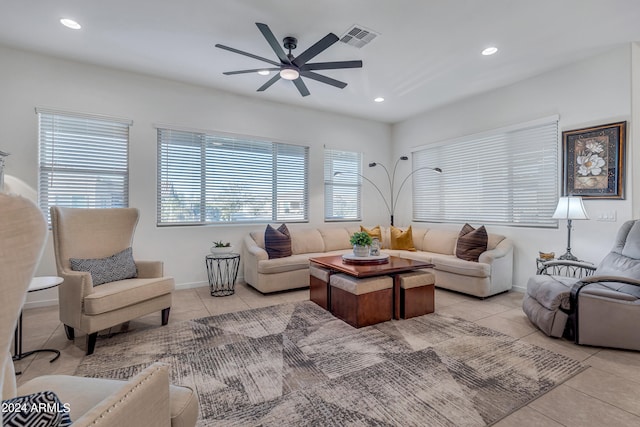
(295, 67)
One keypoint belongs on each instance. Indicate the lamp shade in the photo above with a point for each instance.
(570, 208)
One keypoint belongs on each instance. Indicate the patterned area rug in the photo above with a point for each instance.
(297, 365)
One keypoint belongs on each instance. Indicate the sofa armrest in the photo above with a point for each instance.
(252, 255)
(500, 259)
(150, 269)
(253, 250)
(504, 248)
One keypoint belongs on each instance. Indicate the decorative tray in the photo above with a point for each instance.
(365, 260)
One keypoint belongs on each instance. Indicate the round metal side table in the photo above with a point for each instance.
(222, 270)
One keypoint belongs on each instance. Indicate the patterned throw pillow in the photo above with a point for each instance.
(402, 239)
(42, 409)
(277, 243)
(471, 243)
(103, 270)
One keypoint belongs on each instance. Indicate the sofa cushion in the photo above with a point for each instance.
(471, 243)
(494, 240)
(402, 239)
(306, 240)
(277, 243)
(280, 265)
(335, 238)
(118, 266)
(114, 295)
(440, 241)
(462, 267)
(418, 237)
(50, 412)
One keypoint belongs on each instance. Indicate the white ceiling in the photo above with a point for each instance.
(428, 53)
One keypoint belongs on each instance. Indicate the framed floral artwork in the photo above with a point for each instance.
(594, 160)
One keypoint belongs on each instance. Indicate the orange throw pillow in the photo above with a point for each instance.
(402, 239)
(374, 233)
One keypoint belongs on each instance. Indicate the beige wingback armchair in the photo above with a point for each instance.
(95, 234)
(146, 400)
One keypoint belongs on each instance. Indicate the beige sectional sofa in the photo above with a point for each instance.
(492, 273)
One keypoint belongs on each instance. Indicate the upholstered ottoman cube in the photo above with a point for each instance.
(319, 286)
(416, 294)
(361, 302)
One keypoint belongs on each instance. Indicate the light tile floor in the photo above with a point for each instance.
(605, 394)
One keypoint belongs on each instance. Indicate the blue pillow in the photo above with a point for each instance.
(42, 409)
(115, 267)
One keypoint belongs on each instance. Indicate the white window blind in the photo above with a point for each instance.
(205, 179)
(83, 161)
(508, 176)
(342, 185)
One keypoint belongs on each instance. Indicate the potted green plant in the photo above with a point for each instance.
(221, 247)
(360, 241)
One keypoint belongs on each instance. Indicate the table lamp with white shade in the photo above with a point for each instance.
(570, 208)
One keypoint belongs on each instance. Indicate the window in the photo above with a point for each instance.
(342, 185)
(507, 176)
(83, 161)
(211, 179)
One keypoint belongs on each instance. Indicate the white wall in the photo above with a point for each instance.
(30, 80)
(591, 92)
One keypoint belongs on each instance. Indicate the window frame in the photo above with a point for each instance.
(349, 179)
(71, 169)
(207, 142)
(471, 189)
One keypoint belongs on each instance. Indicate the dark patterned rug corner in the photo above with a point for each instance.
(297, 365)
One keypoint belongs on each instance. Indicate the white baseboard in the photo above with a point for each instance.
(519, 289)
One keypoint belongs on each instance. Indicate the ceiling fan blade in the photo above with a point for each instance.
(302, 88)
(273, 42)
(250, 55)
(269, 83)
(331, 65)
(230, 73)
(324, 79)
(314, 50)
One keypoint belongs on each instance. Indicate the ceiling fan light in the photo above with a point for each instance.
(490, 51)
(289, 74)
(70, 23)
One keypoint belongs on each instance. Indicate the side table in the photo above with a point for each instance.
(222, 270)
(37, 284)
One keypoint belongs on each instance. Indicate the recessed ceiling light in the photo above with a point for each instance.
(70, 23)
(379, 99)
(490, 51)
(263, 72)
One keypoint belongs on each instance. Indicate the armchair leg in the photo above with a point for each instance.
(91, 342)
(70, 332)
(165, 315)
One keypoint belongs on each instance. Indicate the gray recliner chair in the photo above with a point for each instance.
(599, 310)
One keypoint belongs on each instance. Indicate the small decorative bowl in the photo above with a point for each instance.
(221, 250)
(547, 256)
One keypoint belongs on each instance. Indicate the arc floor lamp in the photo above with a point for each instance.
(391, 201)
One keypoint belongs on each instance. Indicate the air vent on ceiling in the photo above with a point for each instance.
(358, 36)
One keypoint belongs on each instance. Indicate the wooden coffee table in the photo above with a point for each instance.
(393, 268)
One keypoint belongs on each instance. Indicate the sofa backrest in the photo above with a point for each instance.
(325, 239)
